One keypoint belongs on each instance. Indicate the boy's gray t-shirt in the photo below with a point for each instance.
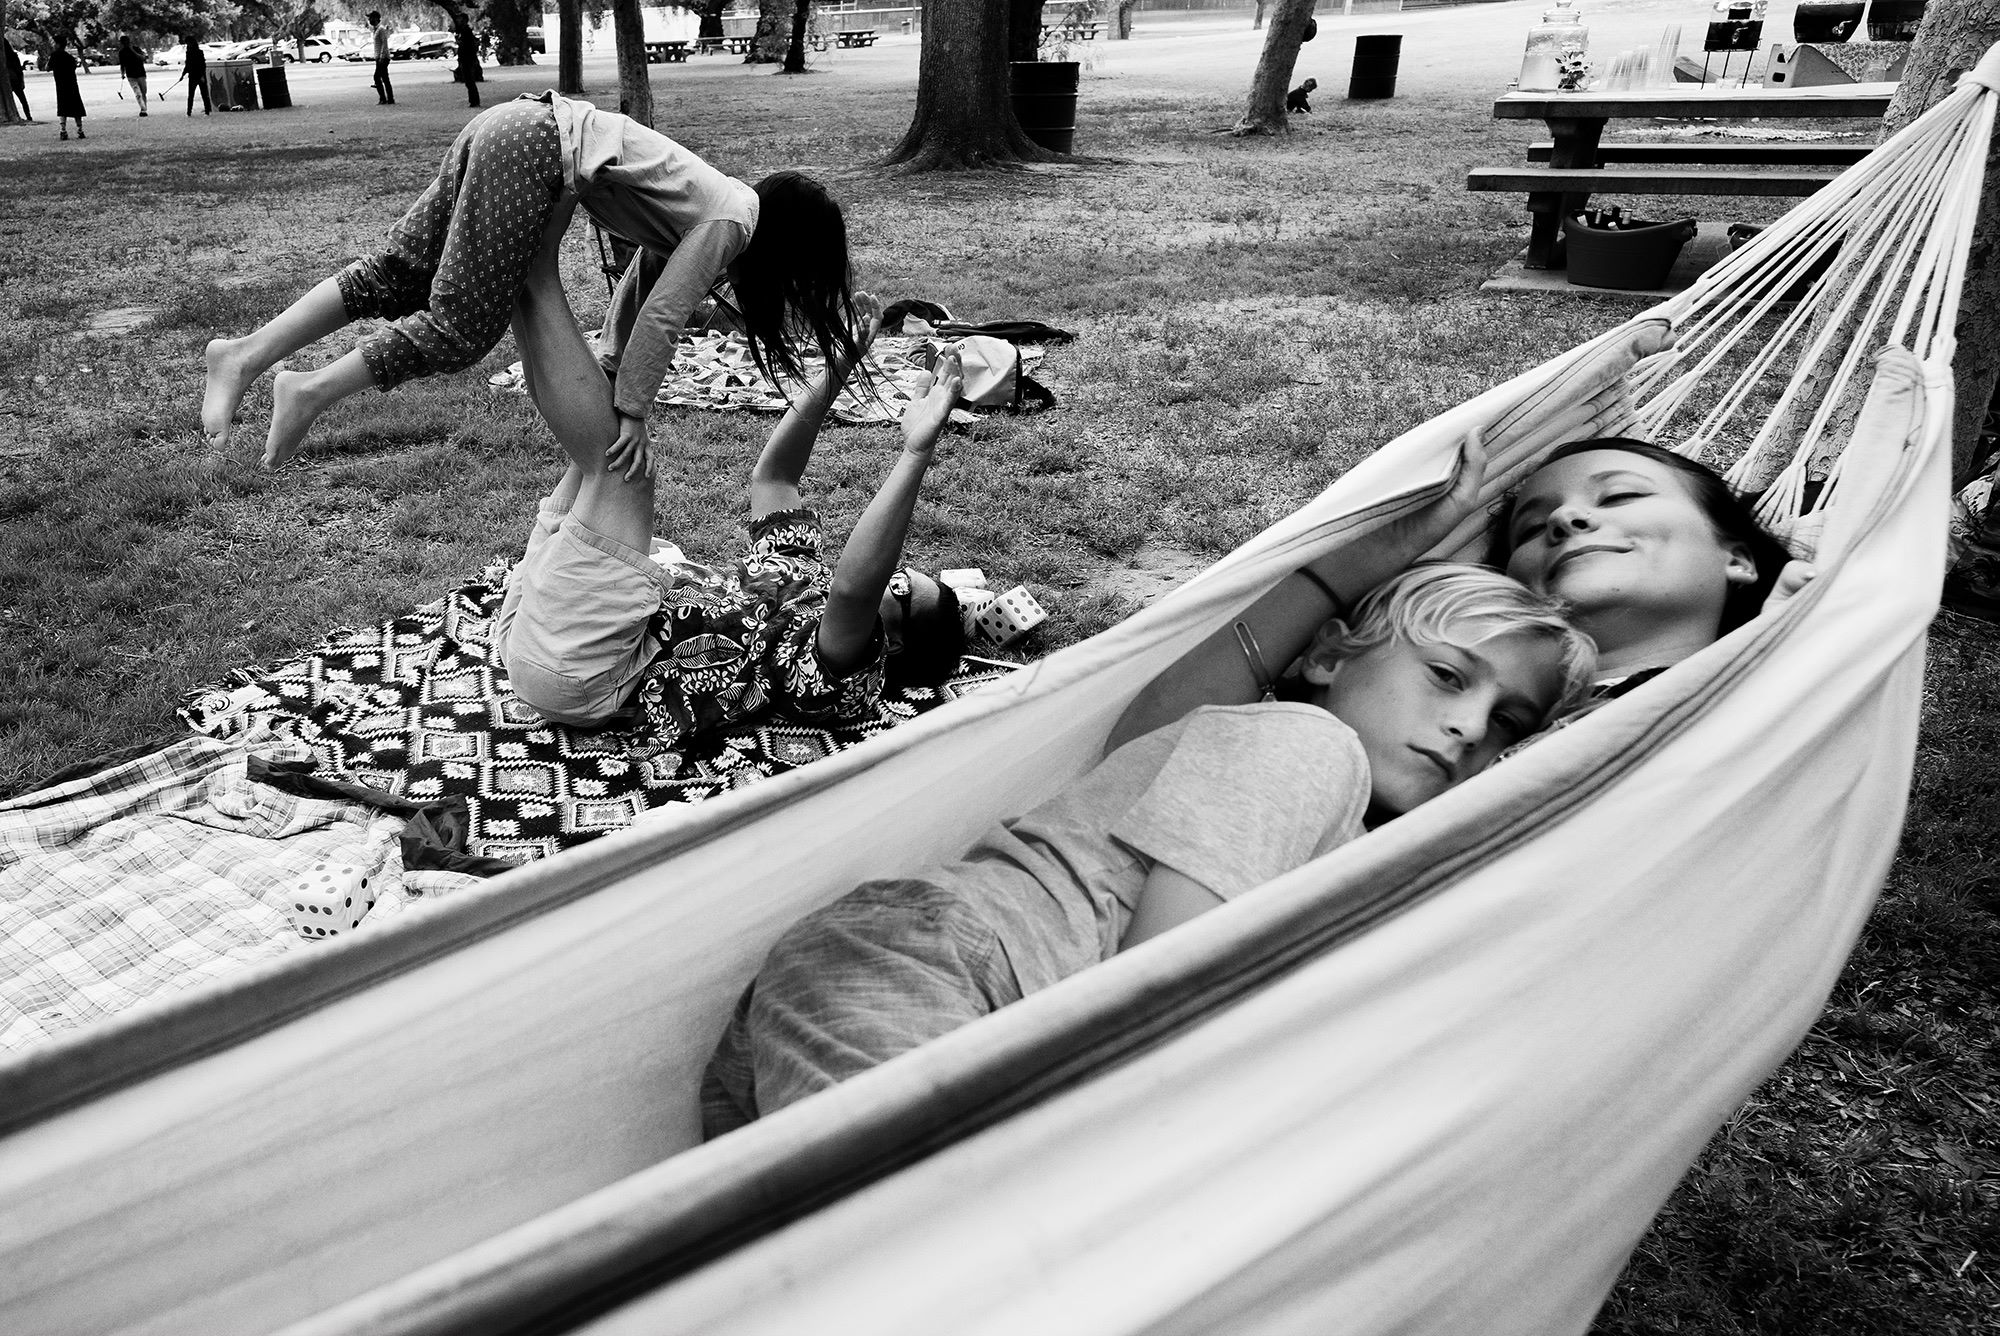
(1230, 796)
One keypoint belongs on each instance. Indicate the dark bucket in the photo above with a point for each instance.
(1638, 257)
(1826, 20)
(1044, 96)
(1375, 60)
(1895, 20)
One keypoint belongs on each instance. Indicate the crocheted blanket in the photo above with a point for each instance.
(418, 706)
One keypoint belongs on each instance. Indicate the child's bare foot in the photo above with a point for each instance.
(294, 407)
(229, 375)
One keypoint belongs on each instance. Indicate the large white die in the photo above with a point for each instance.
(1011, 616)
(328, 899)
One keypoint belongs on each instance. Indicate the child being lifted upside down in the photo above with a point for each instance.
(592, 628)
(453, 267)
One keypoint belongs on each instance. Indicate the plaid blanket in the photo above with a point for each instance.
(161, 872)
(419, 707)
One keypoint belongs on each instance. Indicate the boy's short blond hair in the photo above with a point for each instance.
(1459, 604)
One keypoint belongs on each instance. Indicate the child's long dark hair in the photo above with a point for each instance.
(791, 281)
(1729, 514)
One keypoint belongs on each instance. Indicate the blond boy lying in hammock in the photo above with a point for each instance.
(1434, 675)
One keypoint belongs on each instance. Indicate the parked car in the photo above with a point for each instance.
(319, 50)
(259, 50)
(430, 45)
(168, 57)
(537, 43)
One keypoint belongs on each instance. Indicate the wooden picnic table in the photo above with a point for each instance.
(1073, 32)
(1576, 156)
(739, 46)
(857, 37)
(668, 52)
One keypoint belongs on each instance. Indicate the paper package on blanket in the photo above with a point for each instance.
(328, 899)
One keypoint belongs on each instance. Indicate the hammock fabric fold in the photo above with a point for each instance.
(1435, 1082)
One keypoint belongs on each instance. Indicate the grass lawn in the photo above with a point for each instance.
(1252, 316)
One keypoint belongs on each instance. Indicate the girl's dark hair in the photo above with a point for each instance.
(791, 281)
(933, 641)
(1729, 514)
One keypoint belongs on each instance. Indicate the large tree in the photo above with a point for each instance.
(1121, 27)
(635, 77)
(1952, 38)
(10, 111)
(1265, 112)
(569, 47)
(510, 20)
(965, 116)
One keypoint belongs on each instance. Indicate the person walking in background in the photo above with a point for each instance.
(133, 66)
(385, 95)
(17, 83)
(195, 71)
(467, 72)
(69, 98)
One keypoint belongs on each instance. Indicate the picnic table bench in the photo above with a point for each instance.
(666, 53)
(708, 46)
(1575, 159)
(1073, 32)
(857, 37)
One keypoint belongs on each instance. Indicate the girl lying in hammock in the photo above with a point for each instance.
(451, 269)
(1654, 555)
(591, 624)
(1438, 671)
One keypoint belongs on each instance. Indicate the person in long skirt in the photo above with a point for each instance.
(15, 77)
(467, 72)
(69, 98)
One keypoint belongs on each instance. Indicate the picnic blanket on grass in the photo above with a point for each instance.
(418, 706)
(164, 870)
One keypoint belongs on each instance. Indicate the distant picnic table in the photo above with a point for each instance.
(1073, 32)
(858, 37)
(666, 53)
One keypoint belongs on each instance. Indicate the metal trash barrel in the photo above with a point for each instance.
(272, 87)
(1044, 96)
(1375, 59)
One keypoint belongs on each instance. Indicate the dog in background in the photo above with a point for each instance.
(1299, 98)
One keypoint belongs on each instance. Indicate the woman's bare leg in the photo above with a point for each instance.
(570, 389)
(233, 364)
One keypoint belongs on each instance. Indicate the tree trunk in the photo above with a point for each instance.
(1024, 29)
(711, 18)
(795, 49)
(774, 32)
(635, 80)
(964, 116)
(1122, 28)
(569, 55)
(1257, 19)
(1952, 38)
(1265, 112)
(510, 30)
(10, 114)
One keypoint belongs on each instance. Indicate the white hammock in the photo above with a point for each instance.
(1460, 1119)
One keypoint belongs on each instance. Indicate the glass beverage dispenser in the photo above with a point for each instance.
(1560, 27)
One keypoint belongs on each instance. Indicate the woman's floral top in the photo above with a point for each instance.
(737, 640)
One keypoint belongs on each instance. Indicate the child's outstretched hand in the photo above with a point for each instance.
(867, 319)
(924, 419)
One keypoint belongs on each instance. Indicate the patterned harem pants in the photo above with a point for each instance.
(453, 265)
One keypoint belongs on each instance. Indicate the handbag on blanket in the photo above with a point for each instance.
(994, 379)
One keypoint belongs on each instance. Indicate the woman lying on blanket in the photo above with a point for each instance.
(591, 624)
(449, 274)
(1438, 671)
(1652, 552)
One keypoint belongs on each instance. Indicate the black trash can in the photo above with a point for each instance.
(1044, 95)
(271, 86)
(1375, 59)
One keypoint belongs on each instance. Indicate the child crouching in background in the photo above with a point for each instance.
(1436, 673)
